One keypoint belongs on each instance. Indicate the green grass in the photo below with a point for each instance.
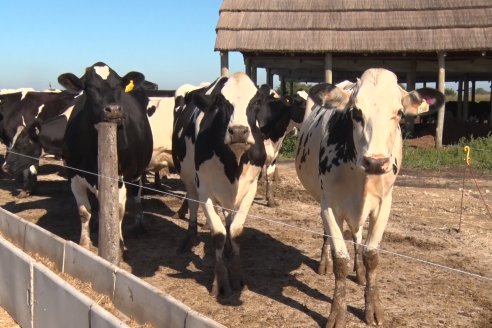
(430, 158)
(451, 156)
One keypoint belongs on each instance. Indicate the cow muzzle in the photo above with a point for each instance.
(112, 113)
(238, 134)
(375, 164)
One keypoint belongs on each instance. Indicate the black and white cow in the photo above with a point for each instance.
(106, 94)
(349, 154)
(21, 115)
(285, 121)
(219, 150)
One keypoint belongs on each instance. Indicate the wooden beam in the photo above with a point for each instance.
(466, 97)
(441, 57)
(328, 68)
(224, 63)
(269, 78)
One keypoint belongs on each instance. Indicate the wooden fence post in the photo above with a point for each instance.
(109, 225)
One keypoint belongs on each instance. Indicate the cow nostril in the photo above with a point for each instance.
(375, 165)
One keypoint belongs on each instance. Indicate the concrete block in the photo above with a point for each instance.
(198, 320)
(45, 243)
(15, 283)
(85, 265)
(13, 227)
(144, 303)
(57, 303)
(101, 318)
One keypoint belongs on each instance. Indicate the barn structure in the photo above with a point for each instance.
(422, 41)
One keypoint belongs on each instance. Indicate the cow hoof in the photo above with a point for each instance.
(325, 267)
(373, 313)
(336, 318)
(23, 194)
(223, 291)
(187, 244)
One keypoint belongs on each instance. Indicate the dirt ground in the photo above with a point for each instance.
(281, 248)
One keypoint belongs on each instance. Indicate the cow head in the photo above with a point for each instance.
(375, 104)
(105, 91)
(232, 112)
(25, 150)
(278, 116)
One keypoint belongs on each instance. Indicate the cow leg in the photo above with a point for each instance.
(374, 313)
(271, 202)
(236, 230)
(220, 286)
(325, 263)
(340, 266)
(122, 193)
(183, 209)
(192, 232)
(358, 250)
(157, 180)
(79, 191)
(137, 212)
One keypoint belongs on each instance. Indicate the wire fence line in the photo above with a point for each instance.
(291, 226)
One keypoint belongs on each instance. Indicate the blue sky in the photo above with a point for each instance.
(171, 42)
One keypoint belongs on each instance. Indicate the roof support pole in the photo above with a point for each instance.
(411, 78)
(328, 68)
(473, 90)
(490, 117)
(459, 101)
(224, 63)
(283, 87)
(466, 97)
(441, 56)
(254, 74)
(269, 77)
(247, 68)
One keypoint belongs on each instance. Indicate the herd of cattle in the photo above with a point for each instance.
(219, 136)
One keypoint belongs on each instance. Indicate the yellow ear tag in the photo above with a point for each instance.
(424, 107)
(129, 86)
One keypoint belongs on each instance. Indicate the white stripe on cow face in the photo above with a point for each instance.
(68, 111)
(239, 90)
(102, 71)
(40, 109)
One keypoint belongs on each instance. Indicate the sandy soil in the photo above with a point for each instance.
(280, 261)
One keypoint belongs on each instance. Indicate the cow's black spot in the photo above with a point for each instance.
(151, 110)
(339, 130)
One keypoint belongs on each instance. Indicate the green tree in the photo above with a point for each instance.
(450, 92)
(481, 91)
(297, 86)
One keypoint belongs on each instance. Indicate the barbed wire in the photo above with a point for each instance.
(382, 250)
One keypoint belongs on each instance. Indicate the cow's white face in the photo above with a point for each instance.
(239, 90)
(375, 105)
(376, 109)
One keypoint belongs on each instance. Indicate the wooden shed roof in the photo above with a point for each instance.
(355, 26)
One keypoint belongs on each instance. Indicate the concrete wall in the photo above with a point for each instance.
(36, 297)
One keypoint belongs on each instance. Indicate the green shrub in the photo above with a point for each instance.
(451, 156)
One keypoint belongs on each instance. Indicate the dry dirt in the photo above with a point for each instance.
(280, 258)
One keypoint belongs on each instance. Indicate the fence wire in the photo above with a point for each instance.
(291, 226)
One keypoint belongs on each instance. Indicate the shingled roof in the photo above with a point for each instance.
(355, 26)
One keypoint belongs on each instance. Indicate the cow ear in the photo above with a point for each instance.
(132, 80)
(329, 96)
(297, 107)
(421, 101)
(71, 82)
(33, 130)
(201, 100)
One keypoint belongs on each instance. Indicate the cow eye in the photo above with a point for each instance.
(400, 112)
(357, 114)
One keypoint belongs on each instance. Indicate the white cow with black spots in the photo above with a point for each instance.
(349, 154)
